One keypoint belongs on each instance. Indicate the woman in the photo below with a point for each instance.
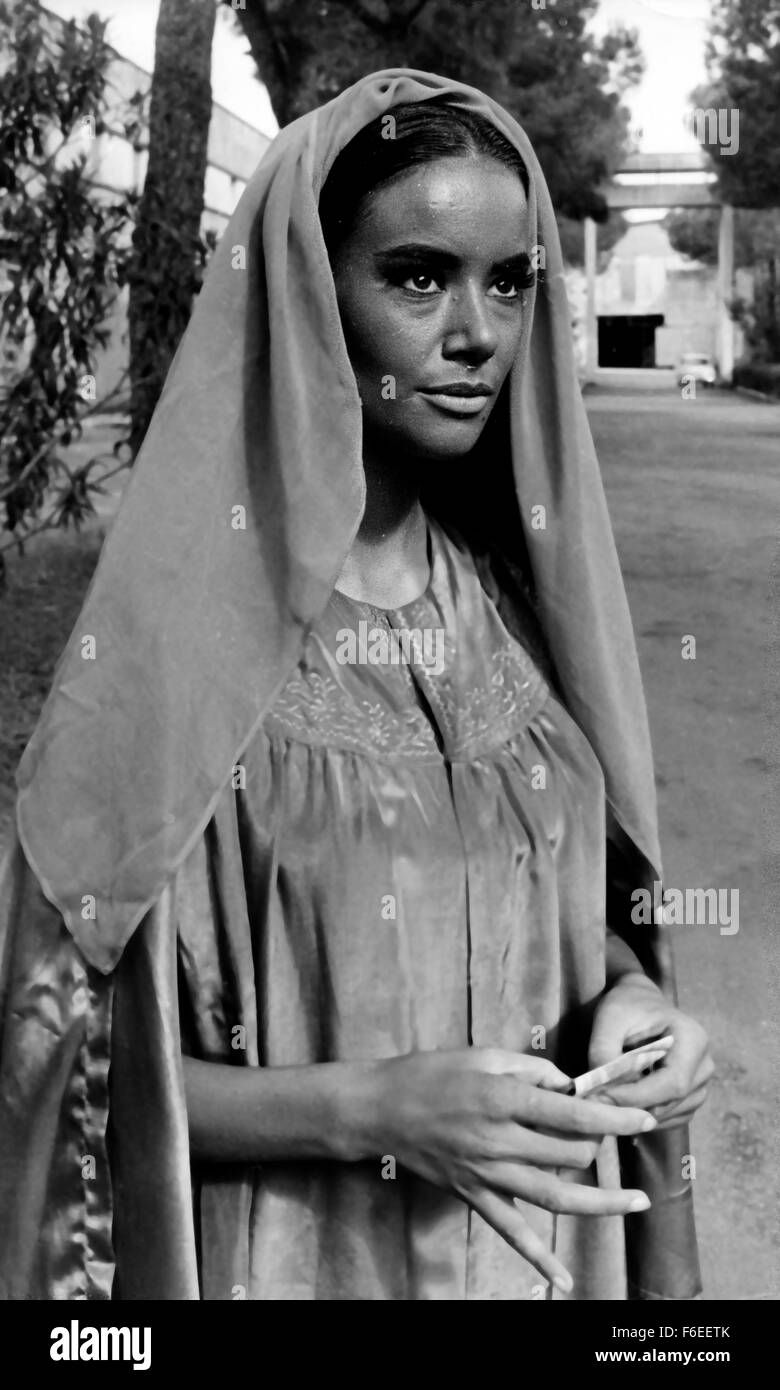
(344, 775)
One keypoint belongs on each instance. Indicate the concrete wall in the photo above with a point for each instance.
(235, 148)
(691, 314)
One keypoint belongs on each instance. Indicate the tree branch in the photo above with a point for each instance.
(58, 437)
(19, 541)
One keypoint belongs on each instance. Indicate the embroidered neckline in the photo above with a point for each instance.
(313, 708)
(334, 706)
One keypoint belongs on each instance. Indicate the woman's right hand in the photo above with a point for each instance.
(491, 1126)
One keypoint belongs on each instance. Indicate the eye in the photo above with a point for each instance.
(420, 282)
(507, 287)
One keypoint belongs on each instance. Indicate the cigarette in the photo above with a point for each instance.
(627, 1067)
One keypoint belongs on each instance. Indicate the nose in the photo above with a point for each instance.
(470, 334)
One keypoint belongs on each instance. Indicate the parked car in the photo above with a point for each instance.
(697, 365)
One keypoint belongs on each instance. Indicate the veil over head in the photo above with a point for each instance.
(242, 505)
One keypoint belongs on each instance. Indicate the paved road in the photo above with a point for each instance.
(694, 491)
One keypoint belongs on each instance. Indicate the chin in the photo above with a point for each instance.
(450, 442)
(451, 450)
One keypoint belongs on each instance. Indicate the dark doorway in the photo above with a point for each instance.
(628, 340)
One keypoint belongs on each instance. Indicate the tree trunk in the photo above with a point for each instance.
(167, 244)
(271, 54)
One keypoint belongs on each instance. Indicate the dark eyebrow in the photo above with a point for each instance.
(436, 255)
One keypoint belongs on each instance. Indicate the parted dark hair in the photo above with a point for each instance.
(415, 133)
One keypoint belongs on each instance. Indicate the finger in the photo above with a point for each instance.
(609, 1037)
(671, 1115)
(704, 1074)
(542, 1188)
(500, 1212)
(545, 1110)
(535, 1071)
(522, 1145)
(574, 1198)
(667, 1086)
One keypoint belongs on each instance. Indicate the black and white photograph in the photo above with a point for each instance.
(389, 483)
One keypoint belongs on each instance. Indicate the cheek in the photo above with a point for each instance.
(508, 340)
(381, 341)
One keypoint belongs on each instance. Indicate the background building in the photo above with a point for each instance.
(654, 304)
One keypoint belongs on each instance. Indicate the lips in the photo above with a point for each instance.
(462, 398)
(458, 388)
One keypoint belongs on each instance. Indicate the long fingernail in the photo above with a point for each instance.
(640, 1203)
(563, 1282)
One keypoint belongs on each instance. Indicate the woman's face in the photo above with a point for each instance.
(429, 291)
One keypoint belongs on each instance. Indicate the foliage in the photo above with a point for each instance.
(562, 83)
(694, 233)
(743, 60)
(63, 250)
(608, 234)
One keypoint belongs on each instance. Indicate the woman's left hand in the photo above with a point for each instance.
(632, 1010)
